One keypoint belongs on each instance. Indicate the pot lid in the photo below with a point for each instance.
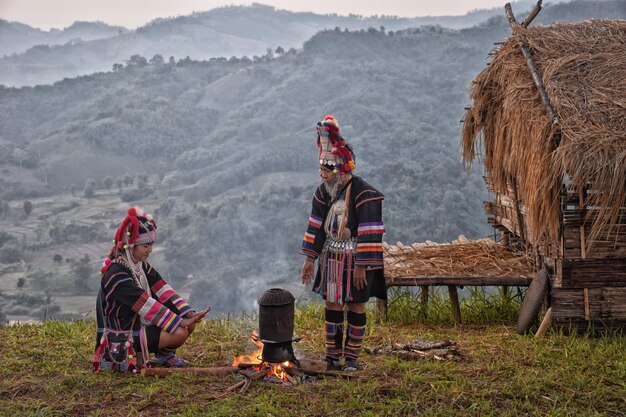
(275, 297)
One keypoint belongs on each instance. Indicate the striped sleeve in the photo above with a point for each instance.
(370, 229)
(315, 236)
(121, 287)
(165, 293)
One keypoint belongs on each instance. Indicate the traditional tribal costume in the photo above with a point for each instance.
(345, 229)
(134, 296)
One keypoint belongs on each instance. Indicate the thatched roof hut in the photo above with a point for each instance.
(583, 68)
(550, 111)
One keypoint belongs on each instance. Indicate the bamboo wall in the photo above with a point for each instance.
(588, 290)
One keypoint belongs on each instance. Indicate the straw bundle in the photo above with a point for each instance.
(478, 258)
(583, 68)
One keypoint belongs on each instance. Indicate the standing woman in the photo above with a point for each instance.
(344, 235)
(137, 310)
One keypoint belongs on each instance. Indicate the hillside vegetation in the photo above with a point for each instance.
(223, 152)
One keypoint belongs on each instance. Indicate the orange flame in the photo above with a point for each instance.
(278, 370)
(254, 358)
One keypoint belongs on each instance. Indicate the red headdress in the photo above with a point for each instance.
(137, 228)
(332, 146)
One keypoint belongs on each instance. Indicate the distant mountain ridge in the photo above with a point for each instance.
(85, 48)
(224, 153)
(17, 37)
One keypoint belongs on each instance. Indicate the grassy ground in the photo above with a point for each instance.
(44, 371)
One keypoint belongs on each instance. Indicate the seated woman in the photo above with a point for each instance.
(134, 300)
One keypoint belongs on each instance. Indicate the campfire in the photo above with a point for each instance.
(254, 367)
(274, 359)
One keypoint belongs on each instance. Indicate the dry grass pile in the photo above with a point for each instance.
(583, 68)
(462, 258)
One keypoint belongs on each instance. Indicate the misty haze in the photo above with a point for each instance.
(207, 121)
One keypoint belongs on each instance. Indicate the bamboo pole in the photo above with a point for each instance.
(533, 68)
(545, 323)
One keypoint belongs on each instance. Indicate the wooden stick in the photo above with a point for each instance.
(586, 301)
(290, 379)
(237, 385)
(533, 13)
(245, 387)
(219, 371)
(335, 374)
(259, 374)
(295, 372)
(545, 323)
(533, 68)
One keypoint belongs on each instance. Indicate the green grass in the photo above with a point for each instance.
(44, 370)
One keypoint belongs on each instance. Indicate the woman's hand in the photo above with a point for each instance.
(359, 278)
(308, 267)
(192, 318)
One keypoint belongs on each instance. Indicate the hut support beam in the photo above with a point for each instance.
(533, 68)
(533, 13)
(454, 303)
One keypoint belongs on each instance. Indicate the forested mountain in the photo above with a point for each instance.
(17, 37)
(224, 150)
(224, 32)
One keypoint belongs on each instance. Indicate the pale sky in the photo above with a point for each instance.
(46, 14)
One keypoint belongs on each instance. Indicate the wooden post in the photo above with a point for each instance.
(454, 302)
(381, 310)
(424, 294)
(582, 205)
(533, 68)
(545, 323)
(424, 298)
(505, 293)
(586, 302)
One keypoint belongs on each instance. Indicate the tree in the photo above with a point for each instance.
(20, 282)
(28, 207)
(82, 273)
(136, 61)
(107, 182)
(280, 50)
(73, 189)
(89, 191)
(118, 67)
(142, 181)
(157, 60)
(57, 258)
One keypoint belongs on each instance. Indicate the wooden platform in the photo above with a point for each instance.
(462, 263)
